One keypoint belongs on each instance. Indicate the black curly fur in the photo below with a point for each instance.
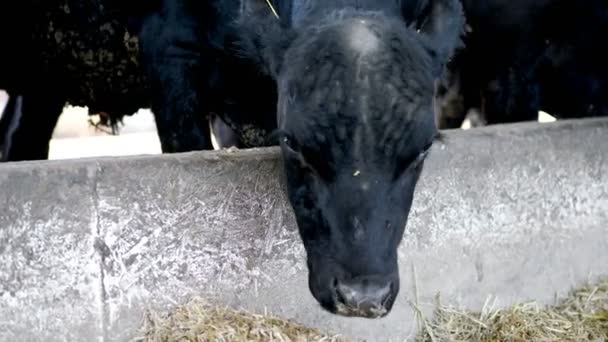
(525, 56)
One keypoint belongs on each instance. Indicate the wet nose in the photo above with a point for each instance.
(363, 297)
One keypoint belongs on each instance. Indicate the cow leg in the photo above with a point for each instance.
(27, 125)
(7, 116)
(225, 136)
(172, 58)
(450, 102)
(458, 93)
(510, 98)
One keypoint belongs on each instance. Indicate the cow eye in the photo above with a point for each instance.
(291, 145)
(421, 157)
(413, 163)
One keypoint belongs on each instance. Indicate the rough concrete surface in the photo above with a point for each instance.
(516, 212)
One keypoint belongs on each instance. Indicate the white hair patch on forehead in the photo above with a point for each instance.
(361, 38)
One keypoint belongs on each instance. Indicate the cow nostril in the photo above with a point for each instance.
(387, 294)
(340, 297)
(345, 294)
(335, 284)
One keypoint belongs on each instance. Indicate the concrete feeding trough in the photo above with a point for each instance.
(87, 246)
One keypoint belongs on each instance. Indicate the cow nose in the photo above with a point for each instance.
(363, 297)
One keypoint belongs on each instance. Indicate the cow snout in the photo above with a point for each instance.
(364, 297)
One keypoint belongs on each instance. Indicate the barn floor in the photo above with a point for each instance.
(75, 137)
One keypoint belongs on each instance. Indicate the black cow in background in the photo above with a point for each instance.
(346, 86)
(524, 56)
(83, 53)
(53, 52)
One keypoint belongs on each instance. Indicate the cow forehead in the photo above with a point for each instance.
(362, 96)
(372, 118)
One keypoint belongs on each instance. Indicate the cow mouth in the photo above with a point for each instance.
(361, 309)
(371, 313)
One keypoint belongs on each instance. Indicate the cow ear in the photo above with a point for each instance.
(442, 24)
(276, 46)
(264, 38)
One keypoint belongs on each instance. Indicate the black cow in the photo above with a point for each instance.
(59, 51)
(345, 86)
(84, 53)
(525, 56)
(355, 82)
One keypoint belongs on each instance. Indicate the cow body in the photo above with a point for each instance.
(64, 52)
(525, 56)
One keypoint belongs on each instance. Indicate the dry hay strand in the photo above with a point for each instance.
(199, 320)
(581, 316)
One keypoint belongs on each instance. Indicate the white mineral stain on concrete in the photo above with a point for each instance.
(50, 266)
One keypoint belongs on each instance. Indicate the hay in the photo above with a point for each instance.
(200, 320)
(582, 316)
